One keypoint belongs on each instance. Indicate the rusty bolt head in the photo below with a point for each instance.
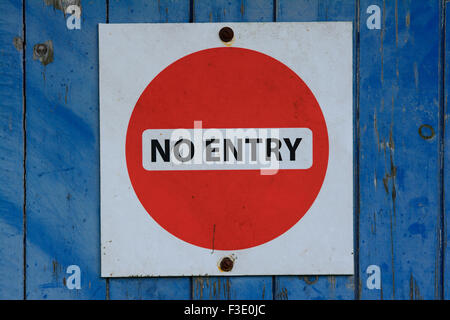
(226, 34)
(226, 264)
(40, 49)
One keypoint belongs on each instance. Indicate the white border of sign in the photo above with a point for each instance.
(132, 243)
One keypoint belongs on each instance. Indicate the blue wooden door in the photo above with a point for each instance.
(49, 150)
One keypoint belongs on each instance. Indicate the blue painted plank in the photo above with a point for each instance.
(315, 287)
(399, 220)
(63, 217)
(220, 288)
(315, 10)
(11, 150)
(140, 11)
(149, 288)
(233, 11)
(234, 288)
(446, 158)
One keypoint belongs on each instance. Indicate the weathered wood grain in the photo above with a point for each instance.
(399, 219)
(141, 11)
(445, 36)
(62, 169)
(233, 11)
(11, 151)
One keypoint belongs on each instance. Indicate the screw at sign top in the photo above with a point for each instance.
(226, 34)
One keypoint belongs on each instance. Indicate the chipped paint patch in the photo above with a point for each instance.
(62, 4)
(18, 43)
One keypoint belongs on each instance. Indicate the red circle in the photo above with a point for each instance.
(227, 88)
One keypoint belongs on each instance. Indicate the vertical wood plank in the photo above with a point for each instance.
(11, 150)
(446, 140)
(63, 152)
(315, 287)
(399, 220)
(141, 11)
(220, 288)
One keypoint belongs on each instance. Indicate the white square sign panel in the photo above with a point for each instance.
(226, 149)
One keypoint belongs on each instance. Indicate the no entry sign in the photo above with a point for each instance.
(232, 155)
